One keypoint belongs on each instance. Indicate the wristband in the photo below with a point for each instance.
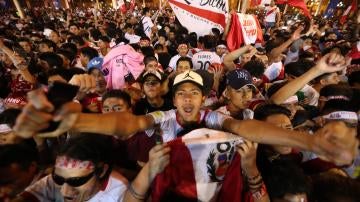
(258, 194)
(134, 193)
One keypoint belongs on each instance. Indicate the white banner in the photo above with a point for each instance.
(201, 16)
(249, 28)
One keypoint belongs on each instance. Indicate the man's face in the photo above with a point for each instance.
(332, 37)
(102, 44)
(100, 80)
(183, 50)
(220, 51)
(66, 61)
(79, 193)
(282, 121)
(333, 78)
(152, 65)
(188, 99)
(183, 66)
(114, 104)
(44, 48)
(54, 37)
(14, 179)
(171, 36)
(152, 87)
(5, 59)
(73, 29)
(84, 60)
(240, 98)
(26, 46)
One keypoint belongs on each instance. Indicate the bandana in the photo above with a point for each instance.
(4, 128)
(337, 97)
(70, 163)
(341, 115)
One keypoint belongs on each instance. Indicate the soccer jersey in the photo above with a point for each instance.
(203, 59)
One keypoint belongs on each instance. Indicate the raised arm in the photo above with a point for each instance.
(334, 142)
(230, 57)
(329, 63)
(280, 49)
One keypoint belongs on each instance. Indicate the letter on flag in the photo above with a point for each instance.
(204, 166)
(201, 16)
(243, 29)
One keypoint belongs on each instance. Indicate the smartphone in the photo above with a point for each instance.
(58, 94)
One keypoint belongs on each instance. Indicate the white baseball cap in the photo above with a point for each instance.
(188, 76)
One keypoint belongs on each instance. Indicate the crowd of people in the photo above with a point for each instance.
(91, 100)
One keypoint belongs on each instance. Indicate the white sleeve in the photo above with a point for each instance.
(172, 62)
(272, 73)
(160, 117)
(215, 120)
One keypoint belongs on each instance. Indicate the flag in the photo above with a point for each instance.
(243, 29)
(351, 9)
(297, 4)
(204, 166)
(329, 12)
(201, 16)
(254, 3)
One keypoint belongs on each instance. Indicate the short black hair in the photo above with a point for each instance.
(8, 116)
(22, 154)
(330, 187)
(89, 52)
(145, 10)
(187, 59)
(105, 39)
(209, 42)
(91, 147)
(298, 68)
(147, 51)
(354, 78)
(343, 104)
(66, 53)
(70, 47)
(148, 59)
(256, 68)
(48, 43)
(117, 94)
(76, 40)
(54, 60)
(266, 110)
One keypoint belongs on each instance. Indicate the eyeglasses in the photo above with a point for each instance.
(72, 181)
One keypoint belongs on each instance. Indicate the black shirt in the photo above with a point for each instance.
(143, 107)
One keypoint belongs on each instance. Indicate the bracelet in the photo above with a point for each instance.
(258, 194)
(134, 194)
(253, 178)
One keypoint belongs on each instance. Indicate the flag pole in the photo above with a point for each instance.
(285, 9)
(97, 4)
(318, 8)
(114, 4)
(19, 9)
(238, 7)
(244, 6)
(67, 6)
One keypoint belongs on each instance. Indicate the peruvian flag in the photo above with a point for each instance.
(244, 29)
(121, 4)
(350, 9)
(297, 4)
(204, 166)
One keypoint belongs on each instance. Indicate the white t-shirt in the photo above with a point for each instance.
(46, 190)
(270, 13)
(203, 59)
(147, 24)
(247, 113)
(133, 38)
(274, 70)
(170, 127)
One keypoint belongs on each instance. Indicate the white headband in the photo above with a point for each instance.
(341, 115)
(68, 163)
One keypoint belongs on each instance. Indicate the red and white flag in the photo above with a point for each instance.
(204, 166)
(297, 4)
(350, 9)
(201, 16)
(244, 29)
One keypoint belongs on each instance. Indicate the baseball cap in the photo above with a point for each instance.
(188, 76)
(151, 72)
(95, 63)
(238, 78)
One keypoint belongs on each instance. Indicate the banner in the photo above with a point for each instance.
(201, 16)
(243, 29)
(330, 10)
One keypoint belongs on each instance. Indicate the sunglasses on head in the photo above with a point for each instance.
(72, 181)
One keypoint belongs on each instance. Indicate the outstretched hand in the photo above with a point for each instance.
(332, 62)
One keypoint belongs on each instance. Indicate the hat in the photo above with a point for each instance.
(238, 78)
(188, 76)
(95, 63)
(151, 72)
